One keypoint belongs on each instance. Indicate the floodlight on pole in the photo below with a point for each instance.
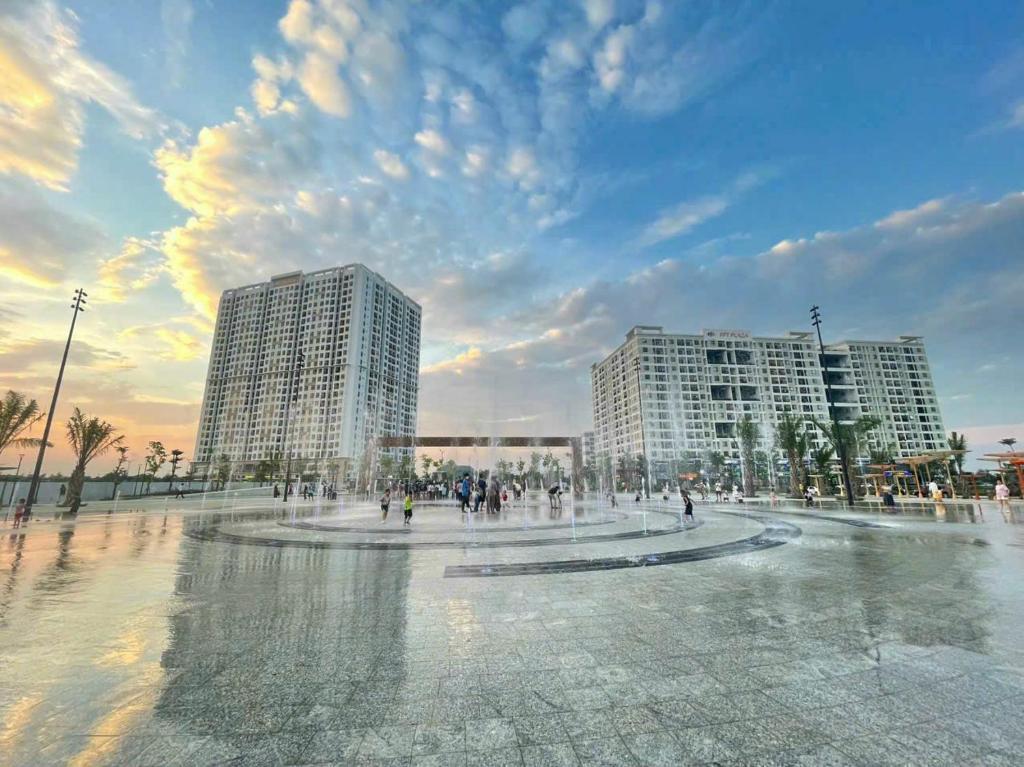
(840, 441)
(643, 437)
(78, 305)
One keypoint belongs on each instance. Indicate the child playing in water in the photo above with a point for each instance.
(408, 508)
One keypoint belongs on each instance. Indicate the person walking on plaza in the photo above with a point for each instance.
(19, 512)
(888, 500)
(1003, 499)
(718, 492)
(464, 495)
(277, 491)
(180, 492)
(408, 509)
(687, 506)
(385, 504)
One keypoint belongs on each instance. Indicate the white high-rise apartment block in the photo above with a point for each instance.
(696, 387)
(310, 366)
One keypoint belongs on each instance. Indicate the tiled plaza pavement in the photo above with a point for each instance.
(143, 639)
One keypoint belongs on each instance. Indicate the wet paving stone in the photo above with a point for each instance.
(845, 645)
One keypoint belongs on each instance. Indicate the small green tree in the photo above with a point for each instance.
(748, 433)
(427, 463)
(546, 463)
(262, 472)
(156, 458)
(386, 466)
(222, 472)
(405, 467)
(175, 460)
(716, 460)
(534, 473)
(89, 438)
(120, 473)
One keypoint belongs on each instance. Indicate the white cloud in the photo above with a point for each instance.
(40, 245)
(297, 24)
(391, 164)
(47, 83)
(599, 12)
(321, 81)
(685, 216)
(137, 266)
(432, 141)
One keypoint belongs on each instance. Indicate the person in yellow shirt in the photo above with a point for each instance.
(408, 508)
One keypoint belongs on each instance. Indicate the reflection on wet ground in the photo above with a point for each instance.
(150, 638)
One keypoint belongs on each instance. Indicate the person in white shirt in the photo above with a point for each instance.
(1003, 499)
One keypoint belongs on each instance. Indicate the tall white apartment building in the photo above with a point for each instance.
(310, 366)
(696, 387)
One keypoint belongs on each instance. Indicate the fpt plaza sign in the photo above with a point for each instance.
(733, 335)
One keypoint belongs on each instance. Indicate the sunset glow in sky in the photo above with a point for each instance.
(540, 176)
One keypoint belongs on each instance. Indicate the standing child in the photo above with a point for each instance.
(385, 503)
(19, 512)
(408, 509)
(688, 512)
(1003, 500)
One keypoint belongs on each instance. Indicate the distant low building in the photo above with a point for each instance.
(696, 387)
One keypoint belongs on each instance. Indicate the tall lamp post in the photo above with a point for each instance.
(841, 445)
(33, 488)
(300, 361)
(643, 436)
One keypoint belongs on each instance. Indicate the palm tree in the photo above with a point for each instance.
(749, 433)
(958, 445)
(119, 470)
(1009, 442)
(17, 415)
(822, 459)
(534, 473)
(716, 460)
(882, 456)
(262, 471)
(89, 438)
(175, 460)
(847, 440)
(221, 472)
(791, 439)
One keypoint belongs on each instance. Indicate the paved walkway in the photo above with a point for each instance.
(251, 633)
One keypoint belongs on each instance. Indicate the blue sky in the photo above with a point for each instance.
(540, 176)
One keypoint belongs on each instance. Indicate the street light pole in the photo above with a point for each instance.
(836, 428)
(643, 436)
(33, 488)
